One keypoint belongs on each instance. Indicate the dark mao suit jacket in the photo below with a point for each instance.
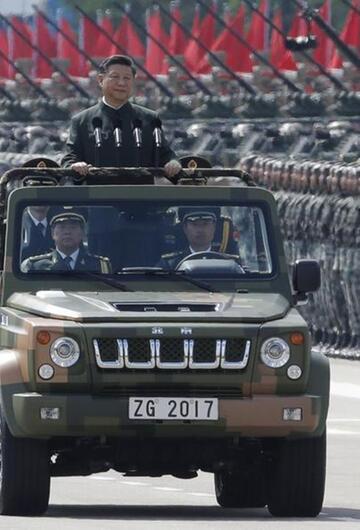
(80, 145)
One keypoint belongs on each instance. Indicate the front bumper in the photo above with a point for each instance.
(86, 415)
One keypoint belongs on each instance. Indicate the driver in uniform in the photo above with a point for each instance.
(198, 224)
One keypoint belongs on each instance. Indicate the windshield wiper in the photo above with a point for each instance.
(93, 275)
(169, 273)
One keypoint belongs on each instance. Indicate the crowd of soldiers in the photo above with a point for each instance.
(319, 210)
(216, 95)
(225, 143)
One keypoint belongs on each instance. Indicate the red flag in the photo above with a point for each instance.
(103, 45)
(19, 49)
(44, 40)
(325, 46)
(351, 31)
(177, 40)
(127, 38)
(120, 38)
(350, 34)
(4, 46)
(65, 50)
(89, 35)
(258, 29)
(298, 28)
(237, 55)
(155, 58)
(206, 35)
(192, 50)
(277, 47)
(135, 45)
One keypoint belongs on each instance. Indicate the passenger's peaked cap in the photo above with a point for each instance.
(41, 162)
(194, 162)
(67, 216)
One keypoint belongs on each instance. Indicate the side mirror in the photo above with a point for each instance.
(306, 277)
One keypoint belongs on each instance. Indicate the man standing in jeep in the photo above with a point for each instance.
(115, 132)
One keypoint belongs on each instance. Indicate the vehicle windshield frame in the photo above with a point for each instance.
(169, 196)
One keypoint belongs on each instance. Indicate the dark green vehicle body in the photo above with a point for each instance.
(91, 430)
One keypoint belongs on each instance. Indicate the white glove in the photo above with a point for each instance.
(172, 168)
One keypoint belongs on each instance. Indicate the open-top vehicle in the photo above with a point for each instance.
(164, 359)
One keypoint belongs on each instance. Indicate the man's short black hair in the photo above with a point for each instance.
(116, 59)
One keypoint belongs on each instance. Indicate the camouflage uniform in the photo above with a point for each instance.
(352, 272)
(339, 300)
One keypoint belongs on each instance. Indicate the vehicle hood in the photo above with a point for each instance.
(151, 306)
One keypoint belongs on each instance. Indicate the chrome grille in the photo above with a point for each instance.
(109, 350)
(172, 350)
(236, 354)
(139, 350)
(172, 353)
(108, 353)
(235, 350)
(204, 350)
(204, 353)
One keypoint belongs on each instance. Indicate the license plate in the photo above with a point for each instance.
(168, 408)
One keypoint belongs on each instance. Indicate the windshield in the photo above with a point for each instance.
(136, 238)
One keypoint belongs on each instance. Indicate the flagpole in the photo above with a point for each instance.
(46, 58)
(25, 76)
(329, 20)
(323, 70)
(243, 41)
(267, 29)
(215, 58)
(160, 85)
(329, 30)
(163, 48)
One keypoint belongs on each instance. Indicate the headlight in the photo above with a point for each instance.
(65, 352)
(275, 352)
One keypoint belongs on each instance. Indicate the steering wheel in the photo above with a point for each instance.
(210, 254)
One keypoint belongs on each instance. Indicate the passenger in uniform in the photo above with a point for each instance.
(68, 233)
(36, 232)
(36, 236)
(198, 224)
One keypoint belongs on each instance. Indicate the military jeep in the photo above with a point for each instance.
(187, 355)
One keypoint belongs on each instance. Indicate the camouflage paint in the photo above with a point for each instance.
(93, 401)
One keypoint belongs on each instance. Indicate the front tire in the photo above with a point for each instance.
(24, 474)
(239, 490)
(297, 478)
